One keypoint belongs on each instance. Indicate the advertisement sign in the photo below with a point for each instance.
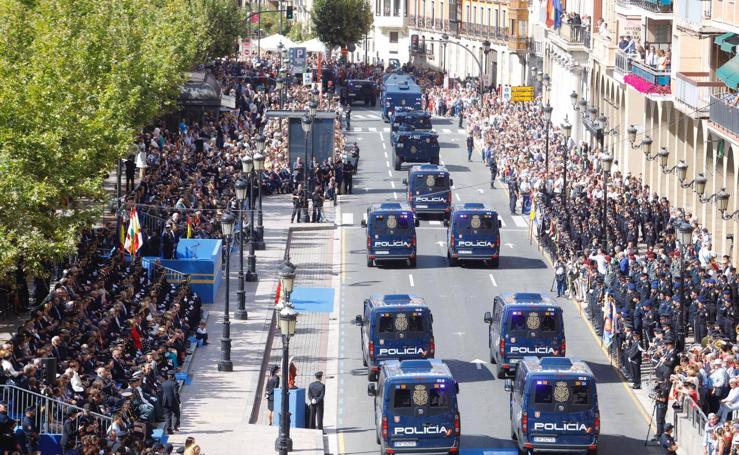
(298, 57)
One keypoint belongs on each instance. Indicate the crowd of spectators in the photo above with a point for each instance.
(659, 59)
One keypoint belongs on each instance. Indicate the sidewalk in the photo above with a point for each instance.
(217, 406)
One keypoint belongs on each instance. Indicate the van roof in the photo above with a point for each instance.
(416, 368)
(557, 365)
(389, 206)
(472, 206)
(421, 168)
(397, 300)
(526, 298)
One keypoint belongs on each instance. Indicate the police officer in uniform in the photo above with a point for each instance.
(316, 392)
(512, 194)
(30, 431)
(470, 146)
(349, 116)
(660, 407)
(348, 175)
(666, 441)
(298, 196)
(668, 361)
(635, 358)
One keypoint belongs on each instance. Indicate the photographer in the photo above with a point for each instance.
(661, 396)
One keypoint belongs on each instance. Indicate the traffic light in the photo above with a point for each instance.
(414, 43)
(289, 12)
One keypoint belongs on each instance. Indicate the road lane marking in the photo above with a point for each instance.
(481, 191)
(462, 131)
(395, 195)
(387, 162)
(457, 196)
(387, 130)
(372, 129)
(502, 222)
(509, 245)
(410, 279)
(446, 131)
(357, 129)
(385, 154)
(347, 218)
(435, 222)
(392, 184)
(389, 173)
(519, 221)
(492, 280)
(384, 147)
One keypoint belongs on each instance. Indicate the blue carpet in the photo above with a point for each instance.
(313, 300)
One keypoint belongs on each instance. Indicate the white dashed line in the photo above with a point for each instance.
(389, 173)
(387, 162)
(446, 131)
(384, 147)
(387, 130)
(461, 131)
(395, 195)
(392, 184)
(435, 222)
(347, 218)
(385, 154)
(372, 129)
(492, 280)
(481, 191)
(519, 221)
(457, 196)
(410, 279)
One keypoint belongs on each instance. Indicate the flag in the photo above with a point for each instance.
(550, 13)
(122, 235)
(277, 293)
(134, 237)
(189, 228)
(557, 13)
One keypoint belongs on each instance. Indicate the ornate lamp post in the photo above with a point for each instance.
(247, 166)
(225, 364)
(241, 192)
(258, 168)
(287, 318)
(566, 132)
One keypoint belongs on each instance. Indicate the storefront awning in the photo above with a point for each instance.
(727, 41)
(729, 73)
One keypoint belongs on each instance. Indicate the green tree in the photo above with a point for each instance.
(341, 22)
(299, 32)
(77, 81)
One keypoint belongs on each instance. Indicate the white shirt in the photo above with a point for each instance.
(601, 261)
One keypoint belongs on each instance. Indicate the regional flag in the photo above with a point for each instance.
(134, 236)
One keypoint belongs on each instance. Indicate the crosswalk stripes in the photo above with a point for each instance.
(519, 221)
(462, 131)
(446, 131)
(386, 130)
(372, 129)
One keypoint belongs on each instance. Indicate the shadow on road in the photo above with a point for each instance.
(517, 262)
(466, 371)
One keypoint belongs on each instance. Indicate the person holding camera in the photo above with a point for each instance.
(634, 357)
(298, 197)
(661, 397)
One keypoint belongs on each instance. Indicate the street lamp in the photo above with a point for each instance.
(685, 232)
(258, 168)
(241, 191)
(227, 228)
(287, 321)
(606, 162)
(646, 142)
(483, 66)
(247, 166)
(566, 133)
(330, 96)
(287, 279)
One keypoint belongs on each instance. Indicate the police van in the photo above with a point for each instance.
(416, 408)
(408, 120)
(391, 233)
(473, 233)
(554, 406)
(429, 190)
(400, 93)
(523, 324)
(413, 146)
(395, 326)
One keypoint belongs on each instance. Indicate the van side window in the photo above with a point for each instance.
(438, 398)
(518, 321)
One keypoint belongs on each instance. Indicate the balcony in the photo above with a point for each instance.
(623, 62)
(410, 21)
(518, 43)
(693, 92)
(489, 32)
(647, 80)
(723, 114)
(652, 6)
(604, 50)
(574, 36)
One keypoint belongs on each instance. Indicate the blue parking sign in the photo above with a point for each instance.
(297, 59)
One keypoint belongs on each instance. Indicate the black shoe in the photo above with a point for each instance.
(636, 386)
(170, 432)
(176, 428)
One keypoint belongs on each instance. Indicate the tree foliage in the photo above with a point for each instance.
(77, 80)
(299, 33)
(341, 22)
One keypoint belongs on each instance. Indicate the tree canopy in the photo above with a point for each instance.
(341, 22)
(77, 81)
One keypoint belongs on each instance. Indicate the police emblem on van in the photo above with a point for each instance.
(536, 350)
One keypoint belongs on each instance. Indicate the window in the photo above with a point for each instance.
(468, 13)
(497, 19)
(402, 398)
(541, 323)
(489, 17)
(423, 8)
(386, 8)
(433, 11)
(474, 14)
(401, 323)
(543, 393)
(394, 37)
(396, 8)
(378, 9)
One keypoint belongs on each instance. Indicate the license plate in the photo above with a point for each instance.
(382, 252)
(551, 439)
(465, 251)
(405, 444)
(422, 206)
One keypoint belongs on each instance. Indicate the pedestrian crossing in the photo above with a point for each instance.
(365, 116)
(372, 129)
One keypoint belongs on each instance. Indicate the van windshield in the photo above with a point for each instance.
(411, 324)
(422, 399)
(427, 183)
(391, 224)
(562, 395)
(464, 221)
(542, 323)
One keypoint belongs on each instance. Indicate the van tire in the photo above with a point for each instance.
(412, 262)
(495, 263)
(370, 262)
(492, 357)
(453, 262)
(499, 372)
(396, 163)
(377, 437)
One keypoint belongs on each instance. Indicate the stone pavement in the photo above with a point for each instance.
(217, 407)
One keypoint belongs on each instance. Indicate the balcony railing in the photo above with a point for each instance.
(489, 32)
(623, 61)
(410, 21)
(655, 6)
(724, 113)
(694, 90)
(648, 80)
(437, 24)
(574, 34)
(518, 43)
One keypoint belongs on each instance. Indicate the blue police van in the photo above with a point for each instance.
(408, 121)
(395, 326)
(413, 146)
(473, 234)
(416, 408)
(429, 190)
(400, 93)
(554, 406)
(523, 324)
(391, 233)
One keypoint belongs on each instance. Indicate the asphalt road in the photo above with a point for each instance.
(458, 297)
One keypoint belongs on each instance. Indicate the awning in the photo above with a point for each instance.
(729, 73)
(727, 41)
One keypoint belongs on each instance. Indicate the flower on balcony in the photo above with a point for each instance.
(643, 86)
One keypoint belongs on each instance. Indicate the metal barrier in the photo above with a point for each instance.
(50, 413)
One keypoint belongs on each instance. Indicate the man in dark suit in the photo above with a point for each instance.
(70, 431)
(30, 431)
(169, 242)
(171, 403)
(316, 392)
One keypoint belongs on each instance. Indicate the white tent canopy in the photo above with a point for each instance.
(271, 42)
(314, 45)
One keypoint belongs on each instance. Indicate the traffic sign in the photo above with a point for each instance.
(522, 93)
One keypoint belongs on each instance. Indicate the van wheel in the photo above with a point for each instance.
(412, 262)
(495, 263)
(593, 451)
(499, 372)
(370, 262)
(377, 437)
(492, 357)
(453, 262)
(397, 163)
(513, 435)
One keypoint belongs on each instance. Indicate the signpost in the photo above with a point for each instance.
(297, 59)
(522, 93)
